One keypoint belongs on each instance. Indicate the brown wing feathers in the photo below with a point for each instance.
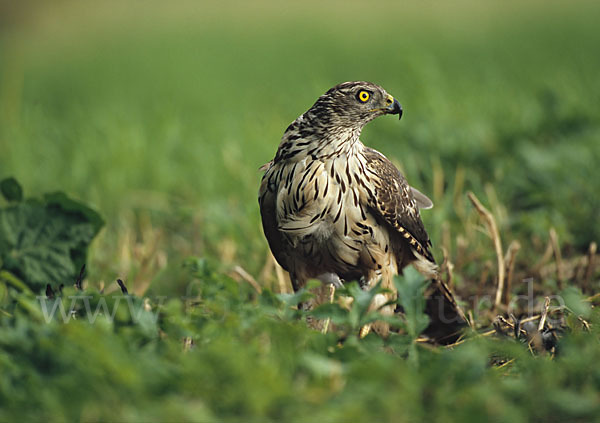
(393, 201)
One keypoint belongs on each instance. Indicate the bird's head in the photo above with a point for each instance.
(354, 104)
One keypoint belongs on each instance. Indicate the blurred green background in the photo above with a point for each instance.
(160, 115)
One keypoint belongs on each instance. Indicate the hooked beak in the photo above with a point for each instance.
(394, 108)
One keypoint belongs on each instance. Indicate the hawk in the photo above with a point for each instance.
(335, 210)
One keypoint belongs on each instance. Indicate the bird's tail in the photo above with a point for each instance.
(446, 317)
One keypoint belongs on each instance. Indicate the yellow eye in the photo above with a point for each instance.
(363, 96)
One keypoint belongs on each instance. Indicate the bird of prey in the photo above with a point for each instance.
(335, 210)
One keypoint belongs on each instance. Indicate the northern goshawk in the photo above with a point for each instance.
(335, 210)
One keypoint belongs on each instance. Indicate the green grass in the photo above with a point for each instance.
(160, 118)
(251, 359)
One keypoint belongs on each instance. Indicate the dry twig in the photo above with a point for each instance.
(331, 297)
(448, 266)
(239, 271)
(511, 254)
(495, 235)
(544, 314)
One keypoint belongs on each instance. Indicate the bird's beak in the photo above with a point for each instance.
(395, 108)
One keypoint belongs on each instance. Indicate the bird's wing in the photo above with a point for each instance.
(396, 203)
(393, 200)
(422, 200)
(267, 200)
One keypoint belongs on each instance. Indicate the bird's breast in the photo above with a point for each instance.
(322, 211)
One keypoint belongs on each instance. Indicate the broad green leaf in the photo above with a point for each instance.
(574, 301)
(320, 365)
(333, 311)
(359, 312)
(77, 210)
(42, 245)
(11, 190)
(411, 288)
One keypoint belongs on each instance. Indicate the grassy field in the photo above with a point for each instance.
(160, 118)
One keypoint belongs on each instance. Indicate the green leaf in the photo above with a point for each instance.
(79, 211)
(573, 299)
(411, 289)
(320, 365)
(11, 190)
(359, 314)
(333, 311)
(292, 300)
(46, 243)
